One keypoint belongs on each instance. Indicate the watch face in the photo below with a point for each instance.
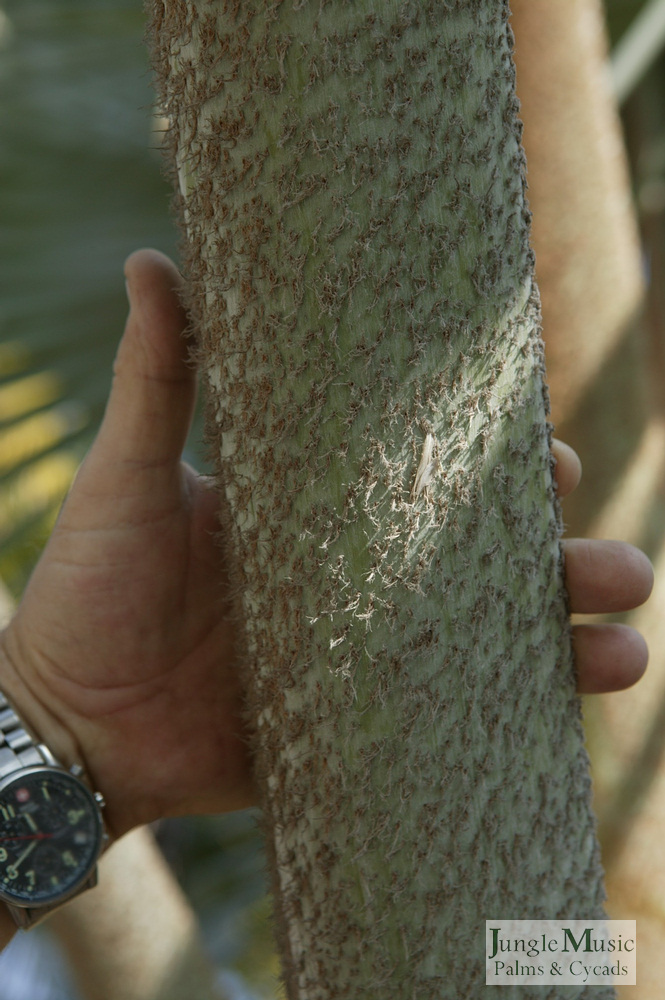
(50, 836)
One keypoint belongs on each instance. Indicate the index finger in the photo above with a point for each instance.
(568, 470)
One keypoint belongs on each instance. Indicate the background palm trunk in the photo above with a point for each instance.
(588, 257)
(585, 233)
(361, 282)
(605, 371)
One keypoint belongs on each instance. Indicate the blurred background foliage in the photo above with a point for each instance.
(80, 188)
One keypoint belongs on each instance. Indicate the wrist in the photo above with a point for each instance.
(51, 823)
(19, 682)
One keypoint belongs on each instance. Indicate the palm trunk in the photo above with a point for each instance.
(357, 258)
(589, 261)
(585, 235)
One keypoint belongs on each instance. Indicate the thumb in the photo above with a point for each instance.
(150, 408)
(132, 471)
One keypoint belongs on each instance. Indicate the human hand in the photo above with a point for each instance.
(121, 653)
(602, 577)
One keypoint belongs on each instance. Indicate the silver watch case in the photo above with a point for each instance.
(29, 913)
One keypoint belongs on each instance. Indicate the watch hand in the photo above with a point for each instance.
(30, 821)
(25, 854)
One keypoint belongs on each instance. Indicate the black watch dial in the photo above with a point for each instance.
(50, 836)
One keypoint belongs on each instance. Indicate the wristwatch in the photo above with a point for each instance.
(51, 826)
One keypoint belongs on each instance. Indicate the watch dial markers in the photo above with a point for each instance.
(50, 836)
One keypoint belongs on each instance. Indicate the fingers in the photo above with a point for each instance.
(608, 657)
(606, 577)
(603, 577)
(152, 398)
(568, 471)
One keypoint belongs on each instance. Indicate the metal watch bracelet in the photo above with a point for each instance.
(17, 747)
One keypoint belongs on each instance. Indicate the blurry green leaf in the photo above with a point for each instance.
(80, 188)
